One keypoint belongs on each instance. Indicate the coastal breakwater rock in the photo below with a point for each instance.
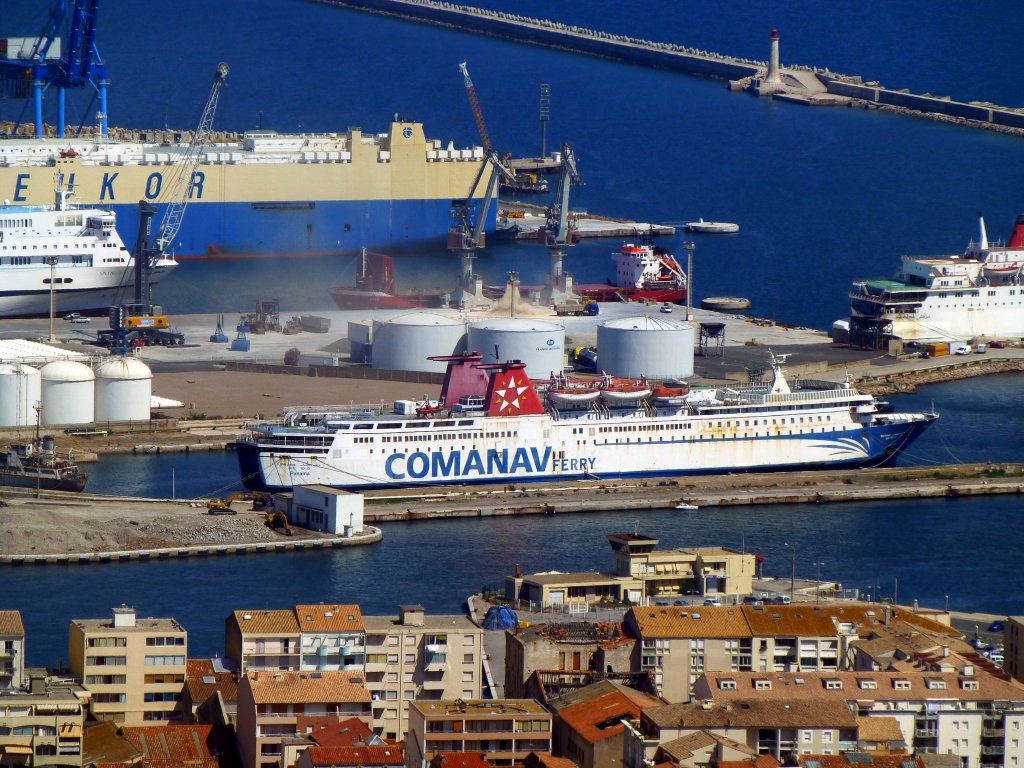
(909, 381)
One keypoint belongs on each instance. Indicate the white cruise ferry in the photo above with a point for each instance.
(494, 426)
(978, 294)
(91, 267)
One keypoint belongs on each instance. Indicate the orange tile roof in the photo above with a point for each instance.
(329, 618)
(163, 746)
(328, 732)
(307, 687)
(550, 761)
(795, 620)
(879, 729)
(267, 622)
(810, 686)
(705, 621)
(460, 760)
(684, 747)
(329, 756)
(761, 761)
(197, 675)
(10, 623)
(600, 718)
(752, 712)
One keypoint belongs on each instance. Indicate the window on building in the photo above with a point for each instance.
(107, 642)
(467, 677)
(392, 677)
(392, 658)
(807, 736)
(410, 639)
(171, 640)
(407, 677)
(407, 695)
(467, 658)
(390, 695)
(468, 640)
(410, 658)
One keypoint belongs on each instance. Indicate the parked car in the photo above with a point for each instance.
(962, 349)
(997, 626)
(666, 308)
(80, 319)
(979, 349)
(712, 601)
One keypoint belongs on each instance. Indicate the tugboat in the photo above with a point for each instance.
(38, 465)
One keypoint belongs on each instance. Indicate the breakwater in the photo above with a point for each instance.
(801, 84)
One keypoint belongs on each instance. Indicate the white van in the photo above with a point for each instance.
(962, 349)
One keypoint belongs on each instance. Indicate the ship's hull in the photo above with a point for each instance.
(547, 451)
(609, 293)
(353, 298)
(265, 194)
(24, 292)
(74, 482)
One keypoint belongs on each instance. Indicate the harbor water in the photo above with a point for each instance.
(822, 196)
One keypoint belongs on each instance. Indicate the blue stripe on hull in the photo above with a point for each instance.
(240, 230)
(884, 443)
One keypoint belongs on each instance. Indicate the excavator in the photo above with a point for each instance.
(276, 520)
(261, 501)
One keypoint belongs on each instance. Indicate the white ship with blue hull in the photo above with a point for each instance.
(496, 428)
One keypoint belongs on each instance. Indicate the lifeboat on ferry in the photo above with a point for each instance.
(573, 395)
(624, 392)
(663, 395)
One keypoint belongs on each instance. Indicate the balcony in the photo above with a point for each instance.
(993, 750)
(926, 733)
(993, 733)
(435, 685)
(435, 664)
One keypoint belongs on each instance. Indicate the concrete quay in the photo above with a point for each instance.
(797, 83)
(705, 491)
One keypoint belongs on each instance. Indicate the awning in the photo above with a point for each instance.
(16, 749)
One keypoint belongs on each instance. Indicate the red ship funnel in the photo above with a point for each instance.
(511, 393)
(1017, 238)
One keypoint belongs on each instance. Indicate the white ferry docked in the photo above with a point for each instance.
(978, 294)
(496, 428)
(92, 269)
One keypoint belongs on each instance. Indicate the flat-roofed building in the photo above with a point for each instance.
(642, 574)
(416, 656)
(43, 726)
(12, 650)
(972, 713)
(272, 704)
(133, 668)
(262, 640)
(504, 730)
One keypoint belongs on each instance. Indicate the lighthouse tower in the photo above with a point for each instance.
(773, 60)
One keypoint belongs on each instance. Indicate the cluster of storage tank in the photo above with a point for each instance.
(656, 347)
(403, 343)
(69, 392)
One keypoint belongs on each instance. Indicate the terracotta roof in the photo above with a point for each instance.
(752, 712)
(329, 756)
(164, 746)
(550, 761)
(761, 761)
(684, 747)
(267, 622)
(460, 760)
(328, 732)
(307, 687)
(102, 743)
(203, 682)
(704, 621)
(790, 620)
(600, 718)
(848, 686)
(879, 729)
(10, 623)
(329, 618)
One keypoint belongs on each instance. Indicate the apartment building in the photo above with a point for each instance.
(676, 645)
(588, 722)
(331, 637)
(271, 706)
(504, 730)
(415, 656)
(1013, 647)
(262, 640)
(972, 713)
(774, 728)
(12, 650)
(44, 725)
(133, 668)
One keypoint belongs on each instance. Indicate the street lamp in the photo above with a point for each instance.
(817, 594)
(792, 576)
(52, 261)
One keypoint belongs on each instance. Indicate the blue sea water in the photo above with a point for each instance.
(823, 196)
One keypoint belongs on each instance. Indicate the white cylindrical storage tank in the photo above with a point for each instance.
(124, 387)
(539, 344)
(67, 392)
(19, 394)
(655, 347)
(405, 342)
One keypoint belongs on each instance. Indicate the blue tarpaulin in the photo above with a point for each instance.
(500, 617)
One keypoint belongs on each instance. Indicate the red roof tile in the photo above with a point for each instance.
(329, 732)
(343, 756)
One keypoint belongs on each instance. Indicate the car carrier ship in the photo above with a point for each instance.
(493, 426)
(265, 194)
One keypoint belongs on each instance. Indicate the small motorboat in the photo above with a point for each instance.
(711, 227)
(685, 505)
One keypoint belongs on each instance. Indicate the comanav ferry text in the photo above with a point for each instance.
(492, 425)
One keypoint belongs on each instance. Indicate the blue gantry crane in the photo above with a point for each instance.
(63, 56)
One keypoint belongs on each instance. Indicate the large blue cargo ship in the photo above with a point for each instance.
(262, 194)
